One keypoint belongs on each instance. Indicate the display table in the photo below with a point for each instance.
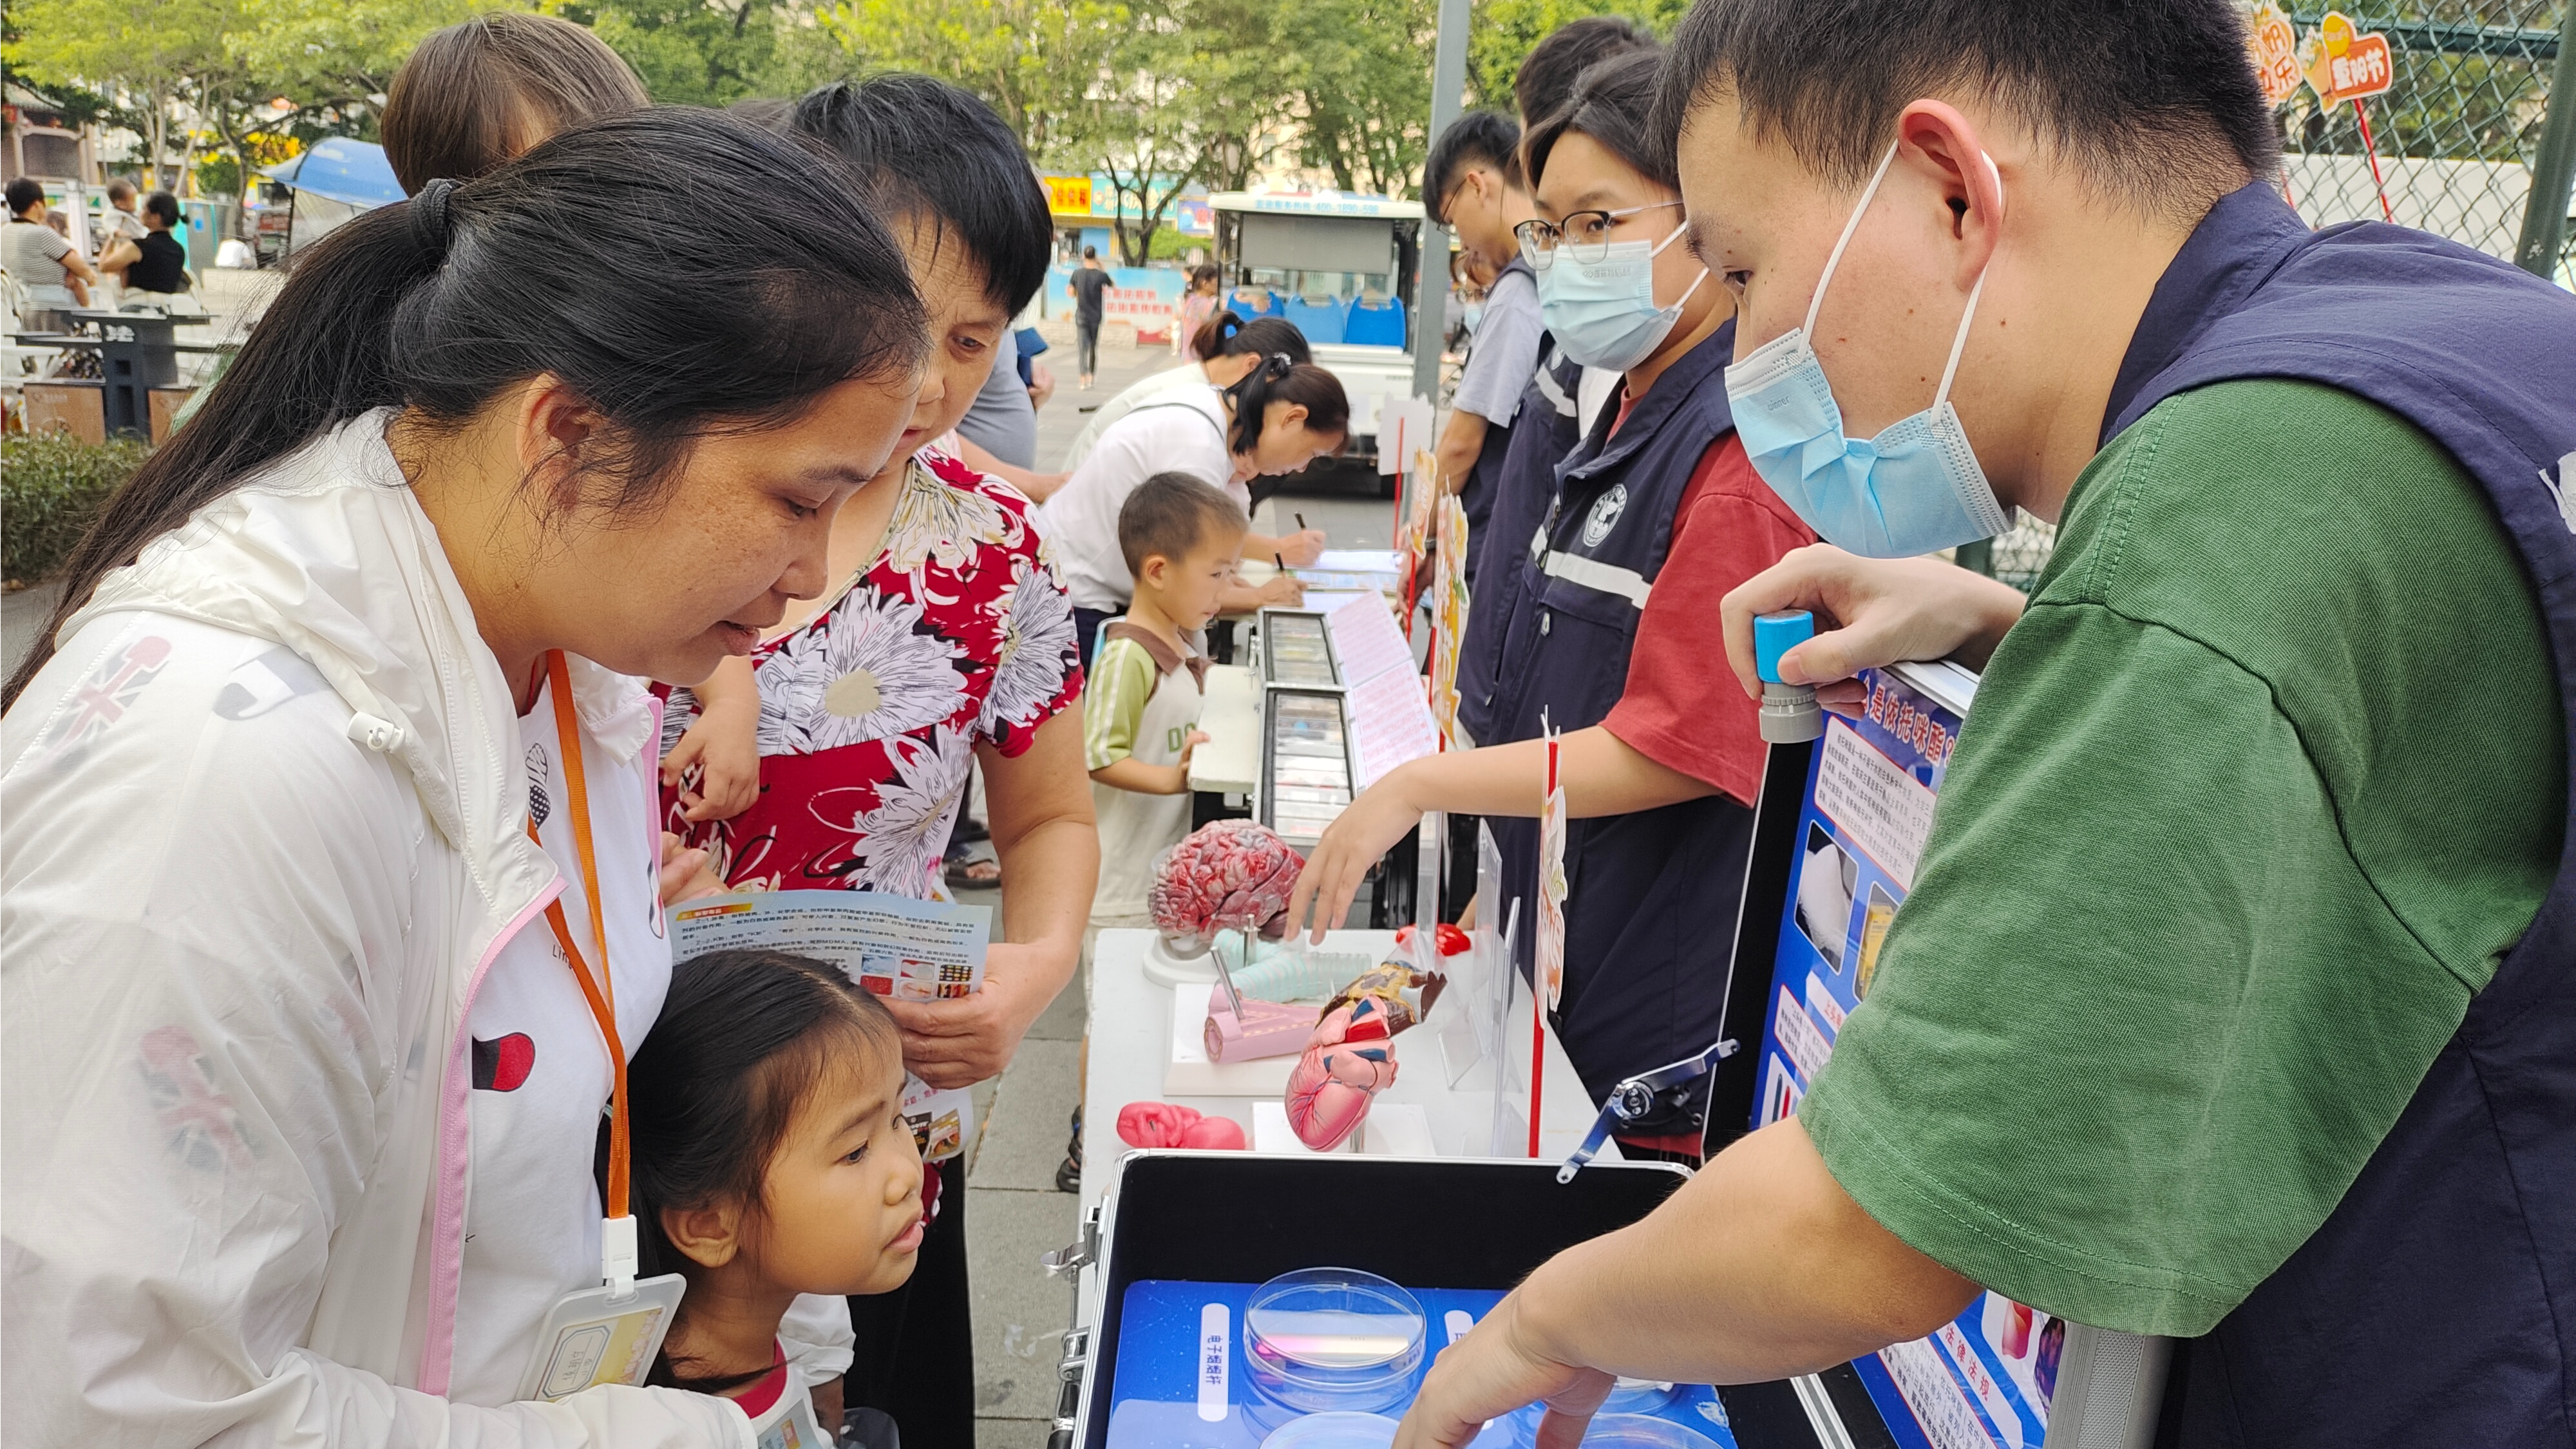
(1229, 761)
(1131, 1032)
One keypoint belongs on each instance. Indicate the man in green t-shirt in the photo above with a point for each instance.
(2259, 792)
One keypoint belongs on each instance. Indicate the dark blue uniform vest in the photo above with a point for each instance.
(2437, 1304)
(1485, 479)
(1650, 913)
(1524, 487)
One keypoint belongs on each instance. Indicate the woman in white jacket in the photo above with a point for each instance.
(301, 1093)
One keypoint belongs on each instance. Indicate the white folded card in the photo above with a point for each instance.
(1271, 1132)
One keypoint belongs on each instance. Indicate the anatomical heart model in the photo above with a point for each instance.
(1347, 1061)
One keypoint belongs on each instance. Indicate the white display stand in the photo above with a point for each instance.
(1131, 1036)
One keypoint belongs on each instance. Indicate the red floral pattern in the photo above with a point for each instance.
(960, 633)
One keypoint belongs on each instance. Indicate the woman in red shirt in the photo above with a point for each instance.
(945, 640)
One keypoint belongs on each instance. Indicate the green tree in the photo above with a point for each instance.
(1366, 84)
(1135, 126)
(155, 52)
(336, 56)
(1240, 98)
(716, 52)
(1504, 30)
(228, 62)
(1035, 61)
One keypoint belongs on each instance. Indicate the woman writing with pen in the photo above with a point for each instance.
(1279, 417)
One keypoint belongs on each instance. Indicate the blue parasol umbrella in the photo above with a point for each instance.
(339, 169)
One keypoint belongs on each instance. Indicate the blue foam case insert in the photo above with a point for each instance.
(1156, 1405)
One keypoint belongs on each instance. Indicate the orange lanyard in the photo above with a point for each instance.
(600, 992)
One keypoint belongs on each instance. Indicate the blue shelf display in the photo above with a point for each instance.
(1183, 1380)
(1984, 1380)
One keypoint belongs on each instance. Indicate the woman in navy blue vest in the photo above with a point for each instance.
(1656, 515)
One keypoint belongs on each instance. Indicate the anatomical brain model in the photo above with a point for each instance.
(1229, 875)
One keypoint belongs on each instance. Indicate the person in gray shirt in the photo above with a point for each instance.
(1004, 420)
(1473, 184)
(41, 260)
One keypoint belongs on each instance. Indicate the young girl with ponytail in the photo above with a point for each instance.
(1278, 417)
(331, 877)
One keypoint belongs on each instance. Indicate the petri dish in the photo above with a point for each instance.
(1643, 1431)
(1618, 1431)
(1334, 1431)
(1333, 1340)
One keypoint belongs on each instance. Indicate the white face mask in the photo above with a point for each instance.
(1603, 314)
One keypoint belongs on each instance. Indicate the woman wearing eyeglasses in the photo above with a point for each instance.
(1609, 637)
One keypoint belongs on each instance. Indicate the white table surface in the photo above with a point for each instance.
(1130, 1035)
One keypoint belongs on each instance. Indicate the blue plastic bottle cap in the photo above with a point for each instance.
(1777, 634)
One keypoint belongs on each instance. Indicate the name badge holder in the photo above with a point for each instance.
(789, 1424)
(612, 1332)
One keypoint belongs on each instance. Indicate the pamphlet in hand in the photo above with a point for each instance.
(894, 947)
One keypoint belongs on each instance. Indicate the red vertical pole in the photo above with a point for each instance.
(1538, 986)
(2370, 149)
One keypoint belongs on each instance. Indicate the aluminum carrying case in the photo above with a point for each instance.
(1232, 1217)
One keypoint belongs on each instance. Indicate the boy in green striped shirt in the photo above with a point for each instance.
(1140, 703)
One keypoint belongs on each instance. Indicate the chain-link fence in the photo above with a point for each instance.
(2451, 147)
(2016, 555)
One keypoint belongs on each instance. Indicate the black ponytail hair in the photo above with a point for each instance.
(1227, 335)
(581, 259)
(744, 1037)
(1281, 378)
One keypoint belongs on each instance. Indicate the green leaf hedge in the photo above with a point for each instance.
(51, 487)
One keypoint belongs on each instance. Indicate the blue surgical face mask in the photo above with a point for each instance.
(1472, 314)
(1914, 488)
(1603, 314)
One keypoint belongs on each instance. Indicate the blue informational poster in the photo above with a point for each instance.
(1984, 1380)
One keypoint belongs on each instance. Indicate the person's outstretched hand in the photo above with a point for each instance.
(1869, 612)
(1302, 547)
(960, 1042)
(1491, 1372)
(687, 873)
(1363, 832)
(723, 749)
(1283, 589)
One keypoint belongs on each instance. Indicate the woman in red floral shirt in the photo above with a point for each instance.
(837, 753)
(957, 637)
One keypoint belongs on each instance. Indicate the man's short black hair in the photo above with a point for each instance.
(1169, 514)
(2156, 99)
(1614, 104)
(1548, 73)
(24, 192)
(924, 148)
(1090, 253)
(162, 207)
(1478, 138)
